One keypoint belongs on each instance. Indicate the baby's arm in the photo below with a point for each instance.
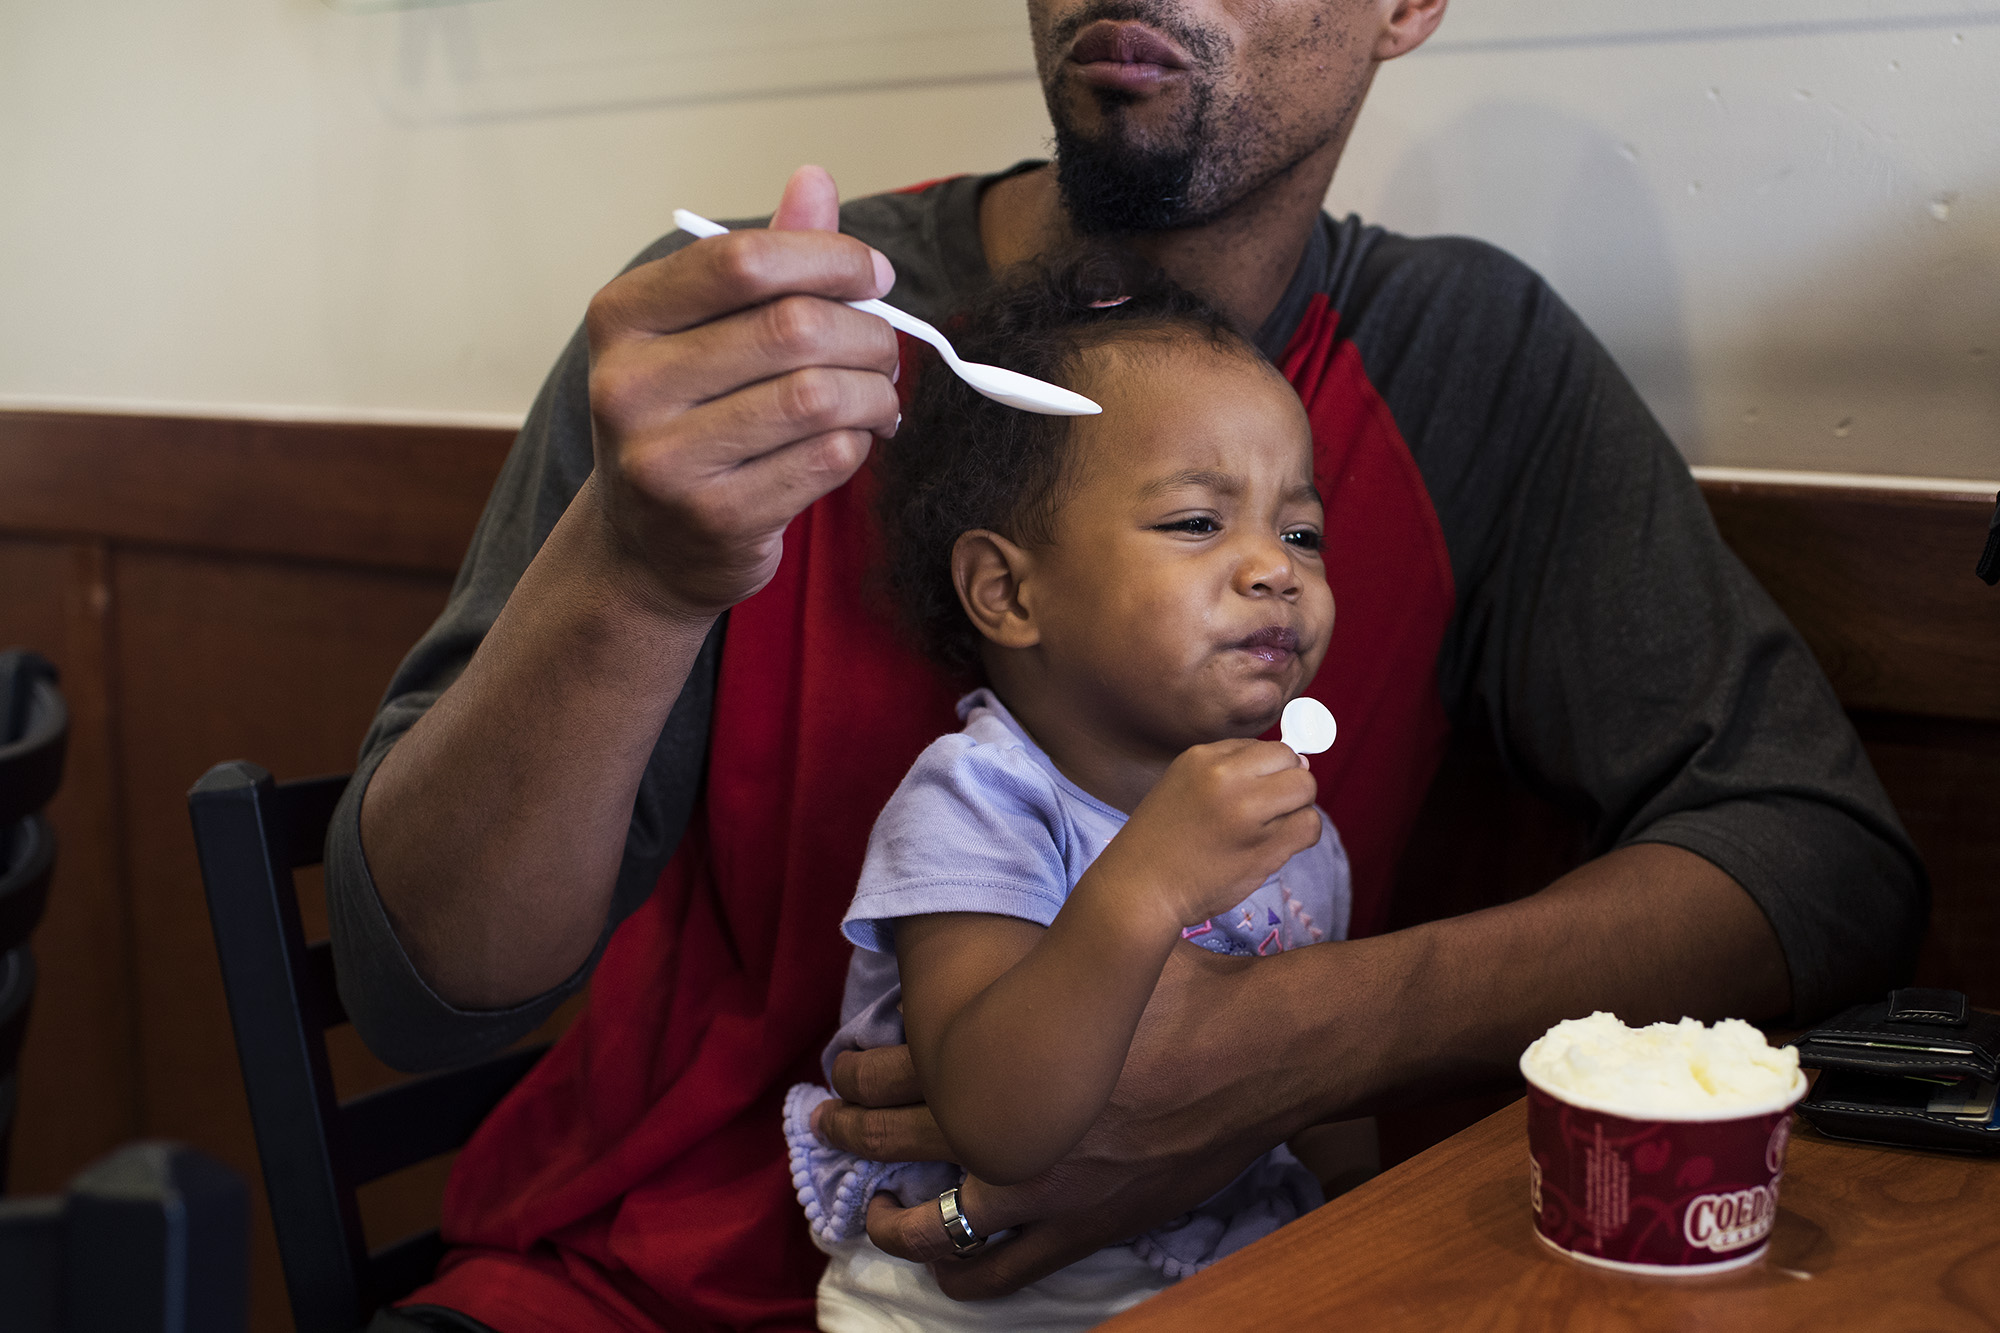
(1018, 1033)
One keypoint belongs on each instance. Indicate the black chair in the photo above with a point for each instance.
(34, 737)
(34, 732)
(251, 833)
(153, 1239)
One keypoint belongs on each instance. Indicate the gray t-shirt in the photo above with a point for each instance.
(1623, 662)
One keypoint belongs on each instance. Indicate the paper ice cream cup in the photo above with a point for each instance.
(1677, 1192)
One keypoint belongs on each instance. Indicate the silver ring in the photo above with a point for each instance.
(956, 1229)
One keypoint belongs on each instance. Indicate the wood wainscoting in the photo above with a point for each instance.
(210, 589)
(216, 589)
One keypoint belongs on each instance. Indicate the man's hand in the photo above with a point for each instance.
(730, 387)
(1221, 820)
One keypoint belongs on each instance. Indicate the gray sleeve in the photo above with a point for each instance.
(398, 1015)
(1627, 665)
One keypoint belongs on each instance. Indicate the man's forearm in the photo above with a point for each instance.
(1649, 932)
(495, 827)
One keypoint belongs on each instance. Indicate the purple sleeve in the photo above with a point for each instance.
(974, 827)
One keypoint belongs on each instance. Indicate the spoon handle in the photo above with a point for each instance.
(694, 224)
(910, 324)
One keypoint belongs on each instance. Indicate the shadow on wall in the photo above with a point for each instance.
(1893, 355)
(1571, 202)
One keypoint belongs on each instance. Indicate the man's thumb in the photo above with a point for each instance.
(811, 202)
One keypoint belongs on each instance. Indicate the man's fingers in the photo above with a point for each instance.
(999, 1270)
(882, 1076)
(916, 1234)
(705, 444)
(750, 466)
(769, 492)
(644, 382)
(881, 1134)
(713, 277)
(811, 202)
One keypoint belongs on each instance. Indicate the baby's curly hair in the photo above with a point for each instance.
(962, 461)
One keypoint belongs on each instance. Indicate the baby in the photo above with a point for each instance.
(1142, 593)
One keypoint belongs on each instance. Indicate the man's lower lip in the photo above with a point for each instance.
(1125, 77)
(1275, 656)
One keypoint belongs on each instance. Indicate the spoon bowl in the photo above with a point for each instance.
(998, 383)
(1307, 726)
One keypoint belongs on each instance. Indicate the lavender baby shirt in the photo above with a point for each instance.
(984, 822)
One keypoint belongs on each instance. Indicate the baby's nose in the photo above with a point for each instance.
(1272, 571)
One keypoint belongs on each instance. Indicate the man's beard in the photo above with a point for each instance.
(1111, 187)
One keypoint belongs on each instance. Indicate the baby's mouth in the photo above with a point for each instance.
(1276, 644)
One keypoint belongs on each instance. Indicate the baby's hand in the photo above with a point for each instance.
(1221, 821)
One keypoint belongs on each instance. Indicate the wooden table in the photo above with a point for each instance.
(1866, 1238)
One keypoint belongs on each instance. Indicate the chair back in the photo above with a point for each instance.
(34, 734)
(34, 737)
(17, 995)
(153, 1239)
(251, 833)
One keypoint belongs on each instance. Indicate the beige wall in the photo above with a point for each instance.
(1783, 215)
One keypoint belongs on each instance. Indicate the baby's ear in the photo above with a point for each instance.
(989, 571)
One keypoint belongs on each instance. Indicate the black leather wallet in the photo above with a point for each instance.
(1915, 1069)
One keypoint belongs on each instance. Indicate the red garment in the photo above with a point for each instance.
(637, 1178)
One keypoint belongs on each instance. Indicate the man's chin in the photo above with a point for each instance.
(1152, 121)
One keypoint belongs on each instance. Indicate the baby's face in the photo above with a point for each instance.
(1184, 597)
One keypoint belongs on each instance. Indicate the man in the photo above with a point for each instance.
(661, 646)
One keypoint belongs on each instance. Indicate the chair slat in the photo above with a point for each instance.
(394, 1271)
(318, 989)
(425, 1117)
(304, 809)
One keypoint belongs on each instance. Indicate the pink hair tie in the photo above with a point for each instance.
(1106, 305)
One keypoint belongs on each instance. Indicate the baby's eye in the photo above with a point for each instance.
(1303, 538)
(1200, 524)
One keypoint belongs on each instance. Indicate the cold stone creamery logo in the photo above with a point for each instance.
(1730, 1221)
(1774, 1151)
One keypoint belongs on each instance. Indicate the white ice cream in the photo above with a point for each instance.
(1679, 1071)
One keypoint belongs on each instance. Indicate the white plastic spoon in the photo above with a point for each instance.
(1002, 386)
(1306, 726)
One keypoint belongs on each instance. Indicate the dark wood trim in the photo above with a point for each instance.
(1880, 583)
(383, 496)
